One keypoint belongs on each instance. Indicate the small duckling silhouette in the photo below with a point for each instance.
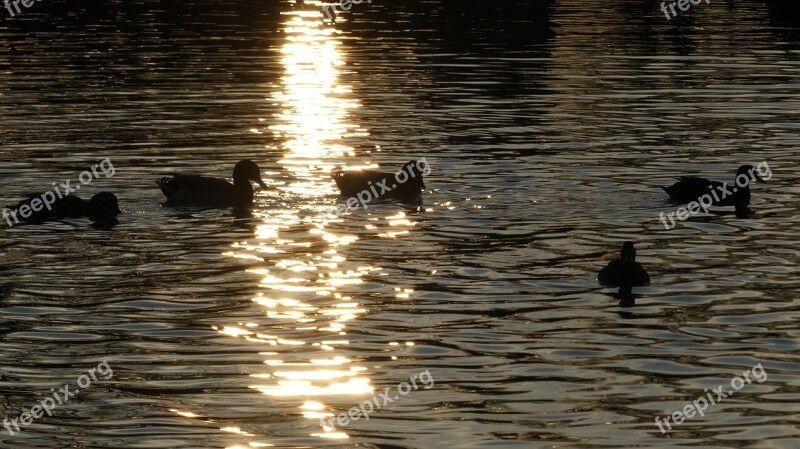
(624, 272)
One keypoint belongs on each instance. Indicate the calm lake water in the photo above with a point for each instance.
(548, 128)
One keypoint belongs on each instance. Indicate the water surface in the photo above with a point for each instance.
(549, 129)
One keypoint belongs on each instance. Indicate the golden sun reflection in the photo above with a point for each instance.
(304, 303)
(304, 284)
(315, 104)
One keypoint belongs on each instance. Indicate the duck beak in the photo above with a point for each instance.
(261, 183)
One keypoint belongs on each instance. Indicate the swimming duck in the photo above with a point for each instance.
(625, 271)
(689, 188)
(102, 206)
(385, 185)
(194, 190)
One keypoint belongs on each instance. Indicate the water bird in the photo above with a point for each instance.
(195, 190)
(690, 188)
(101, 206)
(406, 188)
(625, 271)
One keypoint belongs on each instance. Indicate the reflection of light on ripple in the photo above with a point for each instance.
(404, 293)
(251, 445)
(184, 413)
(357, 386)
(236, 430)
(306, 310)
(398, 220)
(233, 331)
(335, 240)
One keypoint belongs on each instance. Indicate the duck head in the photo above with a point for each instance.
(749, 170)
(104, 205)
(628, 253)
(246, 171)
(417, 170)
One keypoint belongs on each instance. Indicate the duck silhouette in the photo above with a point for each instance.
(103, 205)
(624, 272)
(195, 190)
(690, 188)
(386, 185)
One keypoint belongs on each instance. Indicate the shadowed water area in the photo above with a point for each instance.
(549, 128)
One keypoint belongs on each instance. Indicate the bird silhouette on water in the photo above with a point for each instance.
(625, 271)
(690, 188)
(101, 206)
(204, 191)
(386, 185)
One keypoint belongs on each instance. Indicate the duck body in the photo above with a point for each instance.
(204, 191)
(35, 216)
(385, 185)
(102, 206)
(70, 206)
(625, 271)
(689, 188)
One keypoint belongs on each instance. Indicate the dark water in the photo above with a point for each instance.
(548, 128)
